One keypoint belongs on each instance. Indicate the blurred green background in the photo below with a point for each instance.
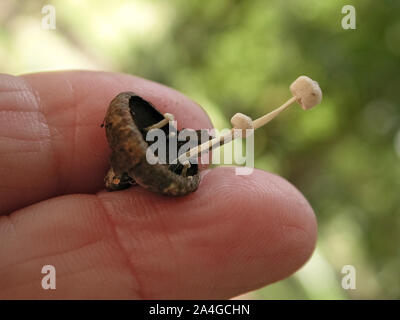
(241, 56)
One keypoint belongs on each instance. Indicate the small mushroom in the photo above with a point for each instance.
(305, 91)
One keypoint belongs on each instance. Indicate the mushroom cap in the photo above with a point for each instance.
(307, 92)
(241, 121)
(169, 116)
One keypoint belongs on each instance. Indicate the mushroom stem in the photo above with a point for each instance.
(185, 167)
(167, 118)
(206, 146)
(269, 116)
(232, 134)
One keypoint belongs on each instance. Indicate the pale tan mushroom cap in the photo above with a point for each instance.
(307, 92)
(169, 116)
(241, 121)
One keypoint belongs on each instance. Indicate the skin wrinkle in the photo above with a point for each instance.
(299, 232)
(13, 90)
(17, 111)
(23, 215)
(38, 280)
(174, 254)
(28, 139)
(25, 96)
(75, 123)
(149, 210)
(139, 292)
(49, 256)
(26, 91)
(10, 223)
(38, 106)
(56, 163)
(75, 126)
(23, 188)
(20, 152)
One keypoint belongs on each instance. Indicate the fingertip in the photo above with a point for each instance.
(234, 234)
(279, 222)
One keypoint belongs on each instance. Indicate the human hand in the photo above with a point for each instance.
(233, 235)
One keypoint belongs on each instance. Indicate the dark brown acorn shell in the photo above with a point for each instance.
(126, 118)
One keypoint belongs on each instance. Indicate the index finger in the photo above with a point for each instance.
(50, 140)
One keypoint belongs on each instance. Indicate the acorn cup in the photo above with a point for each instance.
(127, 121)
